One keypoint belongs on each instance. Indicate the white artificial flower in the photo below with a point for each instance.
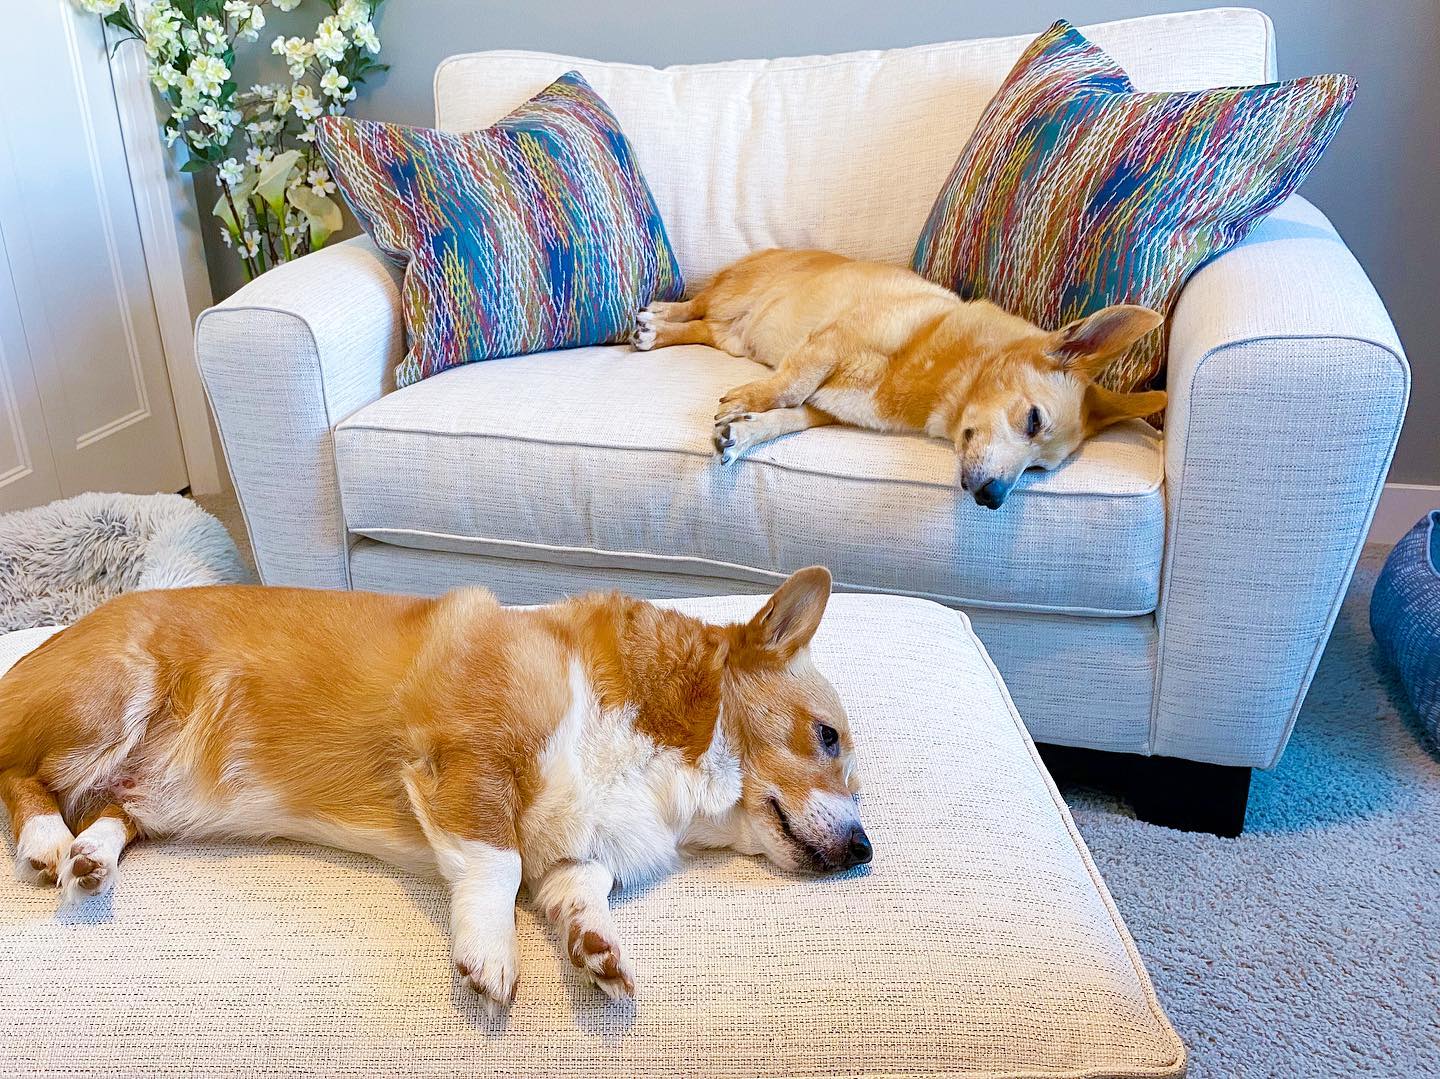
(352, 13)
(101, 7)
(258, 155)
(330, 43)
(230, 172)
(208, 73)
(304, 102)
(225, 238)
(214, 117)
(297, 52)
(281, 105)
(320, 181)
(284, 5)
(239, 10)
(212, 32)
(251, 23)
(160, 23)
(191, 38)
(171, 134)
(365, 35)
(165, 76)
(250, 243)
(334, 83)
(308, 135)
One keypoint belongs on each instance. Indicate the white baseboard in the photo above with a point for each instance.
(1401, 505)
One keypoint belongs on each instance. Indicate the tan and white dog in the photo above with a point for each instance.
(880, 347)
(565, 747)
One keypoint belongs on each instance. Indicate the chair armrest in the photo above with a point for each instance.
(1287, 388)
(283, 361)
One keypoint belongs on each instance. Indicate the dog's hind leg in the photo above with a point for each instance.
(575, 899)
(94, 858)
(42, 839)
(733, 438)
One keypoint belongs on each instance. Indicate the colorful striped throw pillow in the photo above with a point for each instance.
(1077, 192)
(536, 233)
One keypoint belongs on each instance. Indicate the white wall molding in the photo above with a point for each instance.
(1401, 505)
(174, 256)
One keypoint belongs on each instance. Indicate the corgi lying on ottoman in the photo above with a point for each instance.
(566, 747)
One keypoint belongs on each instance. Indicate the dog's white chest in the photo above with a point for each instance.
(609, 793)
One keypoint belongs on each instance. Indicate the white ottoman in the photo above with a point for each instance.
(981, 942)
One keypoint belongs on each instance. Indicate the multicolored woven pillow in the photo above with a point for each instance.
(534, 234)
(1077, 192)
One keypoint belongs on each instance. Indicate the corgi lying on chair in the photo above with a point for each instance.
(565, 747)
(879, 346)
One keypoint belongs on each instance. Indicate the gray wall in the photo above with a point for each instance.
(1379, 183)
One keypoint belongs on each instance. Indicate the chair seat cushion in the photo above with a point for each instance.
(602, 457)
(980, 943)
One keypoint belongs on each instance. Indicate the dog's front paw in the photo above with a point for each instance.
(730, 438)
(43, 847)
(89, 869)
(491, 967)
(643, 336)
(596, 954)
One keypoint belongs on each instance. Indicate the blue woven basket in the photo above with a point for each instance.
(1405, 616)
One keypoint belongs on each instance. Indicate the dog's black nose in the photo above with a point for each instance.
(859, 850)
(991, 493)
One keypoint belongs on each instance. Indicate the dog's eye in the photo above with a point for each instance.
(829, 739)
(1032, 422)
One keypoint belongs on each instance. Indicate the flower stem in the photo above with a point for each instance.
(250, 271)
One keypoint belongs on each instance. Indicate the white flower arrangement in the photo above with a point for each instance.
(275, 200)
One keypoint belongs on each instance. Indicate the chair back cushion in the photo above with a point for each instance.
(844, 152)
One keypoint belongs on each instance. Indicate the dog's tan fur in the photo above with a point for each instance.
(569, 746)
(879, 346)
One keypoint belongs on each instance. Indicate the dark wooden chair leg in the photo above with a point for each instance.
(1191, 796)
(1187, 795)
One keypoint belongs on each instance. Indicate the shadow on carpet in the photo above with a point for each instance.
(1309, 946)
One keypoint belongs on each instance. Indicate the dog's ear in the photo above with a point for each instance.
(791, 616)
(1104, 408)
(1087, 345)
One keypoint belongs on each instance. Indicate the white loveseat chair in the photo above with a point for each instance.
(1164, 597)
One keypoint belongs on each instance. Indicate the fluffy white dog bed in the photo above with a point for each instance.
(61, 561)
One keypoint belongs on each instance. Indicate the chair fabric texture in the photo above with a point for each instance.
(1077, 192)
(537, 233)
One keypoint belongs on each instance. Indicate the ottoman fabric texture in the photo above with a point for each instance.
(981, 942)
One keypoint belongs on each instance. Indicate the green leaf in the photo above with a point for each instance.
(120, 18)
(195, 164)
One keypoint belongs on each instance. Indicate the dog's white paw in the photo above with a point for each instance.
(43, 847)
(643, 336)
(596, 954)
(89, 869)
(491, 967)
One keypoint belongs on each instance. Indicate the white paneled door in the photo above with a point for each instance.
(86, 397)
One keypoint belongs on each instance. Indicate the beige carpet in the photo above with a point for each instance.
(1309, 946)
